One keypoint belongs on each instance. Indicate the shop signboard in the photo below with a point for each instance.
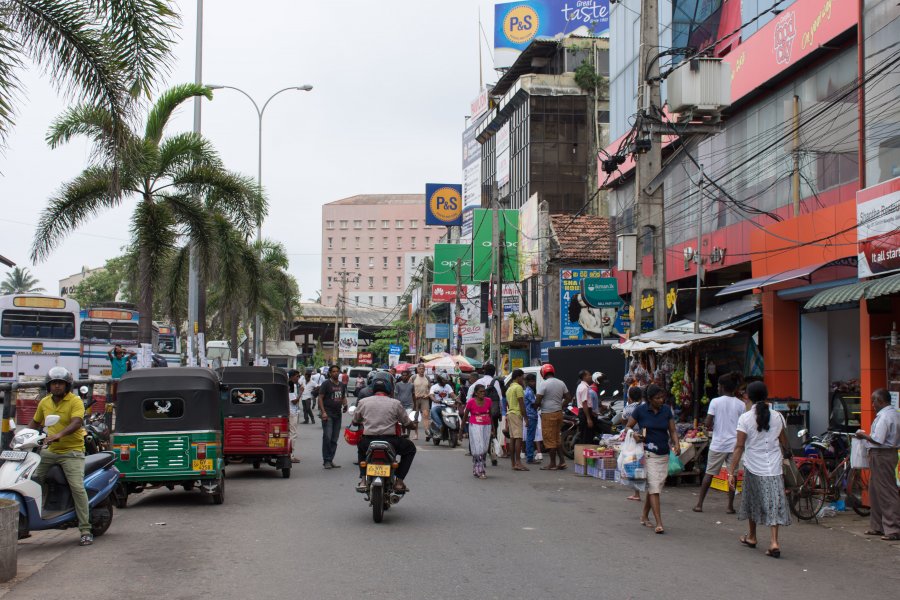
(579, 319)
(482, 243)
(529, 239)
(443, 204)
(512, 299)
(517, 24)
(446, 293)
(446, 256)
(348, 342)
(437, 331)
(472, 334)
(364, 358)
(395, 349)
(502, 174)
(878, 228)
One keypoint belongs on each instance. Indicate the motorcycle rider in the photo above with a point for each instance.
(65, 443)
(379, 415)
(439, 392)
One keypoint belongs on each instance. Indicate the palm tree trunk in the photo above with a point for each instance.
(145, 300)
(233, 317)
(201, 301)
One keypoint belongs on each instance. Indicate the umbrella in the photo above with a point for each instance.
(447, 363)
(465, 364)
(404, 366)
(474, 362)
(430, 357)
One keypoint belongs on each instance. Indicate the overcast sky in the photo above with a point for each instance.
(393, 81)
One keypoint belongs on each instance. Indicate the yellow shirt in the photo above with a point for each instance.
(70, 407)
(513, 394)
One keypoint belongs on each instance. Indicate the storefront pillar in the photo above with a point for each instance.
(874, 323)
(781, 345)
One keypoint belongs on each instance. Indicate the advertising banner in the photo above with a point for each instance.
(529, 239)
(445, 258)
(502, 174)
(878, 228)
(465, 231)
(446, 293)
(580, 320)
(482, 242)
(395, 349)
(443, 204)
(472, 334)
(412, 342)
(437, 331)
(364, 358)
(517, 24)
(348, 342)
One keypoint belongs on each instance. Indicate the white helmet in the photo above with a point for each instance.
(597, 377)
(60, 374)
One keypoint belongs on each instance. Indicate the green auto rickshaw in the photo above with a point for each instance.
(168, 432)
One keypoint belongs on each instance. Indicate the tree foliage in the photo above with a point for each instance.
(20, 281)
(397, 333)
(109, 284)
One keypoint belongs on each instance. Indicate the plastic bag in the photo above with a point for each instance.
(631, 459)
(859, 454)
(675, 466)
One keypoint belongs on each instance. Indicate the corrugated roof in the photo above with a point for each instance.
(584, 238)
(367, 199)
(883, 287)
(282, 348)
(359, 316)
(844, 294)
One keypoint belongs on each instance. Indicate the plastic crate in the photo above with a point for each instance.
(606, 474)
(720, 481)
(580, 471)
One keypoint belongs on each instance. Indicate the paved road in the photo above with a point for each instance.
(515, 535)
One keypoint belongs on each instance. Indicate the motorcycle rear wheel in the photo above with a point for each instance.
(454, 439)
(377, 503)
(100, 526)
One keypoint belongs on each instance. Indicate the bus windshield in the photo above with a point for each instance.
(37, 324)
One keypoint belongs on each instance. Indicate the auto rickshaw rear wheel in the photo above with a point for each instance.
(286, 473)
(256, 464)
(218, 497)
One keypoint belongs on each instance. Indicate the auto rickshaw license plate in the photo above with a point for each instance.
(276, 442)
(378, 470)
(202, 465)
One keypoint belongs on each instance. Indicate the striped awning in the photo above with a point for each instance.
(838, 295)
(883, 287)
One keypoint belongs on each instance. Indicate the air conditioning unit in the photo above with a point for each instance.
(700, 85)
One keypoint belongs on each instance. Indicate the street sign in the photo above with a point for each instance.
(437, 331)
(364, 358)
(395, 349)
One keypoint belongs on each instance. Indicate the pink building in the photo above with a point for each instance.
(382, 238)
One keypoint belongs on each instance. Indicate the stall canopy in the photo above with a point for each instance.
(854, 292)
(806, 273)
(665, 340)
(725, 316)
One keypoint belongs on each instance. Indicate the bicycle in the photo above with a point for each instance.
(821, 484)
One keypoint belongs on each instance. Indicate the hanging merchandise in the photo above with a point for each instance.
(707, 384)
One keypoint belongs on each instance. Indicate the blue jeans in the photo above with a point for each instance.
(530, 433)
(331, 433)
(436, 416)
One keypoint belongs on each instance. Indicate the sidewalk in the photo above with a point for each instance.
(38, 551)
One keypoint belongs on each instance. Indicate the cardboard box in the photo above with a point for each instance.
(579, 452)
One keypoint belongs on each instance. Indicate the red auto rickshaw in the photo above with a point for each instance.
(256, 408)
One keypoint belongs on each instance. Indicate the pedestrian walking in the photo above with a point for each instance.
(657, 424)
(634, 399)
(882, 445)
(721, 418)
(533, 420)
(332, 402)
(585, 398)
(552, 397)
(477, 414)
(421, 391)
(516, 418)
(404, 391)
(312, 381)
(295, 391)
(761, 443)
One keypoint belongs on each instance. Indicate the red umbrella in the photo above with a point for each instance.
(404, 366)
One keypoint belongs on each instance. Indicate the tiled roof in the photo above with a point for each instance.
(368, 199)
(585, 238)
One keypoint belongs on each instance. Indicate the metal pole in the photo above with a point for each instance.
(194, 265)
(795, 177)
(495, 278)
(698, 255)
(458, 306)
(257, 325)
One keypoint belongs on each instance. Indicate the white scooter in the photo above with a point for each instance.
(450, 430)
(57, 510)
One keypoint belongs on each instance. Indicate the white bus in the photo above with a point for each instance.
(168, 345)
(38, 332)
(102, 328)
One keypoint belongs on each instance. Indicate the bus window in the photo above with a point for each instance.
(123, 332)
(95, 331)
(166, 344)
(37, 324)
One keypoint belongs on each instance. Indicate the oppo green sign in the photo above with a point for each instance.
(446, 256)
(482, 237)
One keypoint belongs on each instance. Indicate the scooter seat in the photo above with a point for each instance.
(95, 462)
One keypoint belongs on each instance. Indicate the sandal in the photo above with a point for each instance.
(562, 467)
(86, 539)
(743, 540)
(873, 532)
(548, 468)
(646, 523)
(774, 552)
(521, 469)
(659, 529)
(891, 538)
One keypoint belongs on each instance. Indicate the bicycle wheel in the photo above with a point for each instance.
(858, 492)
(809, 499)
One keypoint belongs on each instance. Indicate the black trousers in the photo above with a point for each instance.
(307, 411)
(404, 448)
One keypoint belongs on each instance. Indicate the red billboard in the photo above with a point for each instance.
(878, 228)
(364, 358)
(446, 293)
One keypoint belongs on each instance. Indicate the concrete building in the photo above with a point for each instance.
(379, 237)
(69, 283)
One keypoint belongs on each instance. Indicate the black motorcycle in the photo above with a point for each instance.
(97, 438)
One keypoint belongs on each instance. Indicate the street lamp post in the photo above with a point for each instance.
(257, 326)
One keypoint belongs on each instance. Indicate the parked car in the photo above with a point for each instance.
(354, 373)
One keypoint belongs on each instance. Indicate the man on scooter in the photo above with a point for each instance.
(65, 443)
(439, 392)
(379, 415)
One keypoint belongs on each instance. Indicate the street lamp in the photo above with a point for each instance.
(257, 326)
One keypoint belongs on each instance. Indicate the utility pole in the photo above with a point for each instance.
(648, 208)
(193, 340)
(698, 254)
(458, 308)
(496, 279)
(340, 310)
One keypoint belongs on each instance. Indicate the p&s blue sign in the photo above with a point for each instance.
(443, 204)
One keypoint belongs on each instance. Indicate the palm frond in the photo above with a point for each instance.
(193, 221)
(77, 201)
(179, 152)
(174, 282)
(141, 33)
(63, 38)
(231, 194)
(94, 122)
(167, 103)
(10, 61)
(154, 228)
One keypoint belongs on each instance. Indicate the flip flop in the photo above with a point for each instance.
(743, 540)
(697, 509)
(548, 468)
(646, 523)
(731, 512)
(891, 538)
(774, 552)
(562, 467)
(520, 469)
(633, 498)
(873, 532)
(659, 530)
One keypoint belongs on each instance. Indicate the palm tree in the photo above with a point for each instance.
(100, 52)
(20, 281)
(168, 176)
